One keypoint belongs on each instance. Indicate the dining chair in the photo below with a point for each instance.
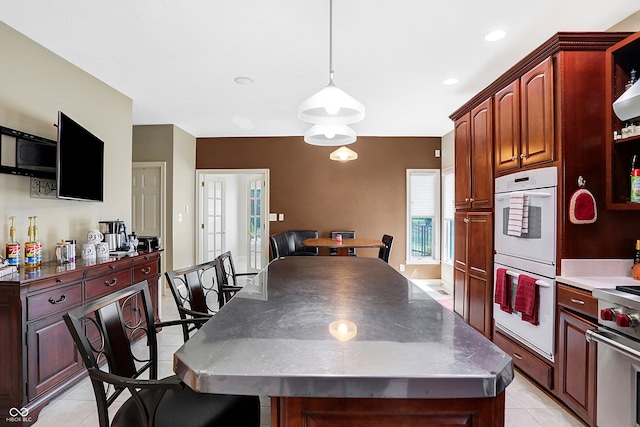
(280, 246)
(195, 293)
(297, 237)
(345, 235)
(385, 251)
(117, 340)
(229, 281)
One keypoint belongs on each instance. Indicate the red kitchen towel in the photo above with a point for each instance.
(527, 299)
(503, 291)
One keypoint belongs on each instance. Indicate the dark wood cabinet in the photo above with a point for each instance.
(524, 126)
(537, 112)
(576, 358)
(473, 269)
(620, 60)
(39, 359)
(474, 158)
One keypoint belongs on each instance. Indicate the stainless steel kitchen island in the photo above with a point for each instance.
(343, 341)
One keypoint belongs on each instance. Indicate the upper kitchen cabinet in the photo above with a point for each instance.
(621, 59)
(473, 158)
(524, 125)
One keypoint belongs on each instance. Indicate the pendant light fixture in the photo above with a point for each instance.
(331, 106)
(343, 154)
(329, 136)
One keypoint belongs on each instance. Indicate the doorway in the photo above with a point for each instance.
(148, 183)
(233, 206)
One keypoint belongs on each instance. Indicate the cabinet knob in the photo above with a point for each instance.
(514, 158)
(471, 200)
(466, 220)
(523, 156)
(466, 199)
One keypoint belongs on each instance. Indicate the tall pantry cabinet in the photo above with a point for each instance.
(473, 240)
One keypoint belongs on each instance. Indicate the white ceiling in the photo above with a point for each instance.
(177, 60)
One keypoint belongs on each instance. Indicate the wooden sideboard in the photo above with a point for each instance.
(38, 358)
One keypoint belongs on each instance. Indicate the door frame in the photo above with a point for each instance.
(200, 202)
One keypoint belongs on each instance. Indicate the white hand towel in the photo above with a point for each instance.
(525, 214)
(516, 214)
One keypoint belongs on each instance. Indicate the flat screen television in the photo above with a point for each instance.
(79, 162)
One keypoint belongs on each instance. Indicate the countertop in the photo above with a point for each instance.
(590, 274)
(273, 338)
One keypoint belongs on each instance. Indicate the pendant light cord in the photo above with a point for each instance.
(331, 41)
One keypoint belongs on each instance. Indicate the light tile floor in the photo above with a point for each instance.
(526, 404)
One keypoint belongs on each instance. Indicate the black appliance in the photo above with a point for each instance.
(148, 243)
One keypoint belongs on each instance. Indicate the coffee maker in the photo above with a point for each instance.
(115, 234)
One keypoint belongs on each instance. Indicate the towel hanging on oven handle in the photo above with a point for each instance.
(540, 283)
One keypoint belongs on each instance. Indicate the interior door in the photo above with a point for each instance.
(256, 219)
(214, 223)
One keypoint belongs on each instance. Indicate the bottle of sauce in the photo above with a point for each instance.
(13, 247)
(30, 250)
(635, 179)
(38, 244)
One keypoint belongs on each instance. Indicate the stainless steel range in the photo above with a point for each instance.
(618, 338)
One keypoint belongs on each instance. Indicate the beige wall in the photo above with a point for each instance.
(177, 148)
(35, 84)
(313, 192)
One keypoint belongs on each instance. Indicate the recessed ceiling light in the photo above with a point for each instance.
(243, 80)
(495, 35)
(451, 81)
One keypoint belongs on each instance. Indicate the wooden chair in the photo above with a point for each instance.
(345, 235)
(116, 338)
(195, 292)
(229, 281)
(384, 252)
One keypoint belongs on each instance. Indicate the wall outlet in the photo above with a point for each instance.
(280, 217)
(401, 267)
(437, 153)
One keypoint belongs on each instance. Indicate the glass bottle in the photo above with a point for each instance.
(636, 257)
(30, 250)
(635, 179)
(38, 244)
(13, 247)
(633, 78)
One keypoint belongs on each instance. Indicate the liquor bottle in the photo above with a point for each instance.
(30, 250)
(635, 179)
(633, 78)
(38, 244)
(636, 257)
(13, 247)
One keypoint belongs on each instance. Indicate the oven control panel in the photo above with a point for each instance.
(619, 317)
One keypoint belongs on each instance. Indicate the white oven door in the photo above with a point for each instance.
(537, 337)
(539, 243)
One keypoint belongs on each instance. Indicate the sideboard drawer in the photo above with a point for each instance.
(106, 284)
(58, 279)
(145, 271)
(60, 299)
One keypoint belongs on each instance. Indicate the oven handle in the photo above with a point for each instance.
(540, 283)
(597, 336)
(526, 193)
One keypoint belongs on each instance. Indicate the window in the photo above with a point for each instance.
(448, 210)
(423, 215)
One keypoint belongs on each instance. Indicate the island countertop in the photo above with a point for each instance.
(273, 338)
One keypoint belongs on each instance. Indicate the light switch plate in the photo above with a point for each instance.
(273, 217)
(280, 217)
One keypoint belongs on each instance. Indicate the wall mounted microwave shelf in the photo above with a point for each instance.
(25, 154)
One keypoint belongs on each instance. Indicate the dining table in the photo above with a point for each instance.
(347, 341)
(342, 246)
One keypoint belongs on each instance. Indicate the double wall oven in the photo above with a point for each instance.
(618, 338)
(532, 253)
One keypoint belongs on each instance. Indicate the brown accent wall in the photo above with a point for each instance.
(367, 195)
